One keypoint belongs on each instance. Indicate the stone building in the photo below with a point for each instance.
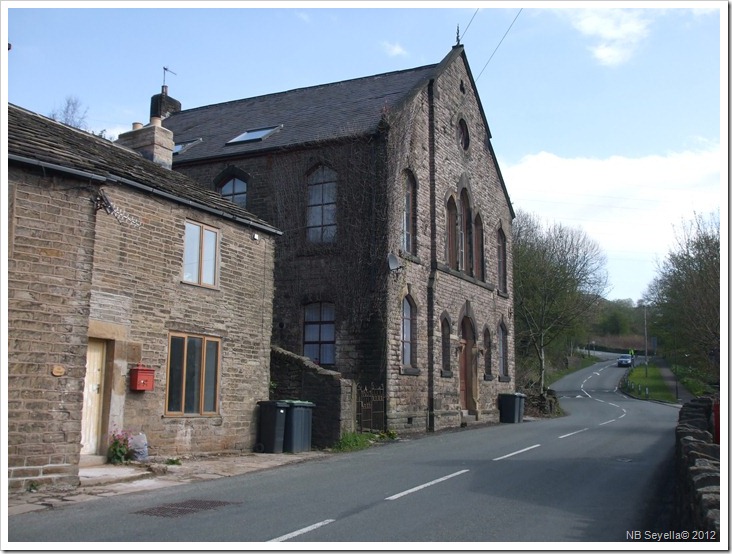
(137, 301)
(394, 266)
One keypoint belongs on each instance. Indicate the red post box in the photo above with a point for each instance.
(142, 378)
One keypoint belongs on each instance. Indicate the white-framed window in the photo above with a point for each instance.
(193, 375)
(409, 332)
(319, 333)
(200, 255)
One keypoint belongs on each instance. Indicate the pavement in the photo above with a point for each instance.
(99, 481)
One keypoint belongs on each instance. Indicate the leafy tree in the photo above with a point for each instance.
(684, 297)
(559, 276)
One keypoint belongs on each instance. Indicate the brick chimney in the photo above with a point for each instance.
(153, 141)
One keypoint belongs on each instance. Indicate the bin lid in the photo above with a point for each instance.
(276, 403)
(300, 403)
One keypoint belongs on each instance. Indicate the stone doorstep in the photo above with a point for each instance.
(109, 473)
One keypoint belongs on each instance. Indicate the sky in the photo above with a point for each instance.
(611, 117)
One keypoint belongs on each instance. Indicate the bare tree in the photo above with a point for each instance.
(72, 113)
(559, 275)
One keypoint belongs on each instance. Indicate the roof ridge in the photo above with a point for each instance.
(311, 87)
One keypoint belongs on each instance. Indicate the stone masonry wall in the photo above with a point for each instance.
(697, 469)
(49, 278)
(457, 295)
(297, 378)
(139, 299)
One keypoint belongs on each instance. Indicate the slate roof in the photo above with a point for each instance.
(307, 115)
(35, 138)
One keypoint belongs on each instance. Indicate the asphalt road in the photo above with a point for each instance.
(592, 476)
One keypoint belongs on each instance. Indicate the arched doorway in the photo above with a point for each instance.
(468, 365)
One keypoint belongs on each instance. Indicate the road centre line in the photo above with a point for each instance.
(517, 452)
(606, 422)
(420, 487)
(302, 531)
(574, 433)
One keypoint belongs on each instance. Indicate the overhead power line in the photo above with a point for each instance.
(499, 44)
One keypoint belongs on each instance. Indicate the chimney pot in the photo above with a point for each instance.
(136, 125)
(156, 121)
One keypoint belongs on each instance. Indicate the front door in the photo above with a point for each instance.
(91, 415)
(467, 345)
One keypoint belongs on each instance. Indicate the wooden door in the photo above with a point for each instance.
(91, 415)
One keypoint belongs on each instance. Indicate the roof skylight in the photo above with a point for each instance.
(181, 146)
(252, 135)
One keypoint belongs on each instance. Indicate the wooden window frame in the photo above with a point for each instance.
(233, 196)
(194, 398)
(203, 256)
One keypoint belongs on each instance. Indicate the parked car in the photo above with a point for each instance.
(625, 360)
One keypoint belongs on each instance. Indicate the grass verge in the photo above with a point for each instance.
(650, 387)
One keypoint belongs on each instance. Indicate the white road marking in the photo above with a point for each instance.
(574, 433)
(302, 531)
(420, 487)
(517, 452)
(606, 422)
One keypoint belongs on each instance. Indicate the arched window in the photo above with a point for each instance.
(502, 350)
(466, 233)
(235, 189)
(409, 220)
(319, 333)
(502, 262)
(409, 332)
(446, 361)
(451, 234)
(488, 353)
(321, 223)
(478, 262)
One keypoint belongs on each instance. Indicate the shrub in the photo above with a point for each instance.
(119, 447)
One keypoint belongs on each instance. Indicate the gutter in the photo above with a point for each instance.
(156, 192)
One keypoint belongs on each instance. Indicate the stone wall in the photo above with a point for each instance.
(50, 252)
(298, 378)
(697, 469)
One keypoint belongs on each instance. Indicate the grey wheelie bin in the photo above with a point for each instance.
(511, 407)
(298, 426)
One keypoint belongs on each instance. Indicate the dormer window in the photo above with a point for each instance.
(252, 135)
(183, 146)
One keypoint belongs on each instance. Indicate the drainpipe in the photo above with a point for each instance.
(433, 263)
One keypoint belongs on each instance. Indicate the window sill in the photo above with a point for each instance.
(488, 377)
(464, 276)
(410, 257)
(411, 371)
(504, 379)
(446, 374)
(503, 294)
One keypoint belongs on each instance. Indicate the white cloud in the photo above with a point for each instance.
(630, 206)
(617, 33)
(302, 16)
(393, 49)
